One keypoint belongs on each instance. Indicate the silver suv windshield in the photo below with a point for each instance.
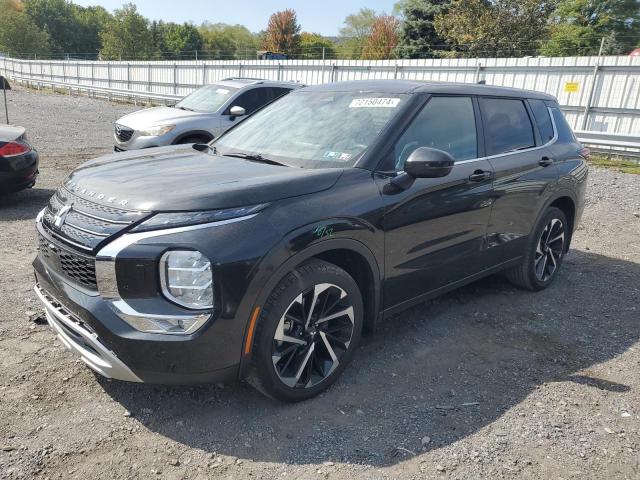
(207, 99)
(313, 129)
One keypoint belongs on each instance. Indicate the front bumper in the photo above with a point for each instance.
(138, 142)
(74, 334)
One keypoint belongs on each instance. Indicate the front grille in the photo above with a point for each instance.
(123, 134)
(86, 224)
(73, 228)
(76, 266)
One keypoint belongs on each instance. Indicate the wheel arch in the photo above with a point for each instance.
(568, 206)
(352, 256)
(193, 133)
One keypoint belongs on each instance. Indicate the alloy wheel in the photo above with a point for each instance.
(549, 250)
(312, 336)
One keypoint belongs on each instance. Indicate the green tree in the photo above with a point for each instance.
(283, 32)
(71, 28)
(313, 44)
(127, 36)
(227, 42)
(182, 41)
(578, 26)
(508, 28)
(357, 28)
(20, 36)
(418, 37)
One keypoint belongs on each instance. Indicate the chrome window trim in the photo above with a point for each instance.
(107, 281)
(505, 154)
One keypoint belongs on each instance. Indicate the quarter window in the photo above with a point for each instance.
(507, 125)
(543, 120)
(565, 134)
(445, 123)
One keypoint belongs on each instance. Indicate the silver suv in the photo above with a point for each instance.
(199, 117)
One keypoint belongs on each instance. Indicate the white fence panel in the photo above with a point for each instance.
(597, 94)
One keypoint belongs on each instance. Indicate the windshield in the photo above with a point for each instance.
(207, 99)
(314, 129)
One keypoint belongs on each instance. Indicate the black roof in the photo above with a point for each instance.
(408, 86)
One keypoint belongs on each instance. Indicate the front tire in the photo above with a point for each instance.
(307, 332)
(545, 251)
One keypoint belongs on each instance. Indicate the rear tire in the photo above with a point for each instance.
(544, 252)
(307, 332)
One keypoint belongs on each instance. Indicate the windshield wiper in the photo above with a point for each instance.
(254, 158)
(185, 108)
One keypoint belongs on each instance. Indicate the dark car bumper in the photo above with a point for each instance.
(20, 174)
(87, 323)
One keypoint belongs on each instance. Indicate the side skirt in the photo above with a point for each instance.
(391, 311)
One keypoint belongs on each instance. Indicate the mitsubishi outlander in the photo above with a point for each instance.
(266, 253)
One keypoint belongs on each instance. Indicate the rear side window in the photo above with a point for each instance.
(445, 123)
(565, 134)
(543, 120)
(277, 92)
(252, 100)
(507, 125)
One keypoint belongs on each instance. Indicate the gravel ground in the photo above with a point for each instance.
(485, 382)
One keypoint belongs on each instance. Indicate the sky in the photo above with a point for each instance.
(324, 17)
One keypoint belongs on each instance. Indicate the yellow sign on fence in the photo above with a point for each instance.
(571, 87)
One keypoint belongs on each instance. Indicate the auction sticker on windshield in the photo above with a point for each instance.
(374, 102)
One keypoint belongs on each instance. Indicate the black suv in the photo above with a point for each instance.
(265, 254)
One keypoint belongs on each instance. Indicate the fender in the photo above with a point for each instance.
(280, 261)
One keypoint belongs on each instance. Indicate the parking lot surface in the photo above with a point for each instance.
(486, 382)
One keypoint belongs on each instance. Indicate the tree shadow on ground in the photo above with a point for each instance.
(444, 369)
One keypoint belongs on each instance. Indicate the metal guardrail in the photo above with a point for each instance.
(104, 92)
(611, 143)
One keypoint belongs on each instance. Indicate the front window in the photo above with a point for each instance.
(207, 99)
(314, 129)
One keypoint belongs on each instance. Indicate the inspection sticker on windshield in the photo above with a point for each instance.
(374, 102)
(222, 91)
(337, 155)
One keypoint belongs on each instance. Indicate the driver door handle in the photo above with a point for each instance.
(480, 175)
(545, 161)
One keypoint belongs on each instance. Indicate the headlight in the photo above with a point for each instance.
(182, 219)
(186, 279)
(156, 131)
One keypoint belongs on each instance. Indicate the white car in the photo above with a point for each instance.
(199, 117)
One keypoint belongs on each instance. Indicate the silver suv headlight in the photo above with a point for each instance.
(186, 279)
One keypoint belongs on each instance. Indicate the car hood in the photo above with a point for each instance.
(181, 178)
(157, 116)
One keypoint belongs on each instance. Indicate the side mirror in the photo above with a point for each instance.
(236, 111)
(424, 162)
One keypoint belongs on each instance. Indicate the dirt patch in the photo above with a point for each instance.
(488, 381)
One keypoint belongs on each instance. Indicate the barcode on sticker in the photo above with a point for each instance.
(374, 102)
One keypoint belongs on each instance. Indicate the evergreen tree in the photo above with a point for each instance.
(418, 37)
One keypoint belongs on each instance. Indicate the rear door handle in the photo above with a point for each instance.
(545, 161)
(480, 175)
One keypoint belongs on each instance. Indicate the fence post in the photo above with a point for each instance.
(592, 87)
(395, 71)
(279, 71)
(240, 70)
(476, 78)
(109, 74)
(175, 78)
(128, 76)
(334, 67)
(64, 72)
(149, 68)
(204, 73)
